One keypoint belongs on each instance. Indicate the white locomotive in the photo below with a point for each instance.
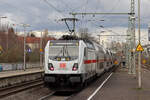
(71, 62)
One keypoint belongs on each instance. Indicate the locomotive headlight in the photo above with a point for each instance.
(75, 67)
(77, 44)
(58, 59)
(67, 58)
(50, 66)
(51, 44)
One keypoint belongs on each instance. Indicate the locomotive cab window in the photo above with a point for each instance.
(63, 52)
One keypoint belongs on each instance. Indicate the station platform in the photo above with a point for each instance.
(7, 74)
(124, 86)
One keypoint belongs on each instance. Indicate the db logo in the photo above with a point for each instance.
(62, 65)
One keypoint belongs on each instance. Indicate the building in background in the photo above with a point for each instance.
(34, 42)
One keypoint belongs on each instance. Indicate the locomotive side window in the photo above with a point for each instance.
(90, 45)
(85, 52)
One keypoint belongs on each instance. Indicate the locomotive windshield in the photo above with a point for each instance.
(63, 52)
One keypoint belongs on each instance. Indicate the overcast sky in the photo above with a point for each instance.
(41, 15)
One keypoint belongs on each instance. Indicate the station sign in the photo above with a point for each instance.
(41, 51)
(1, 48)
(139, 47)
(116, 62)
(29, 50)
(143, 61)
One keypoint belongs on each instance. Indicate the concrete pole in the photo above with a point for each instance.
(24, 63)
(24, 26)
(7, 43)
(0, 24)
(99, 39)
(139, 57)
(40, 51)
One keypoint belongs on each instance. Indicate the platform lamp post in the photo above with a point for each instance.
(24, 26)
(41, 50)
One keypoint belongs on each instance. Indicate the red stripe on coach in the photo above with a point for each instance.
(93, 61)
(87, 61)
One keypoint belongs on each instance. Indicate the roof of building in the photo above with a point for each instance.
(34, 39)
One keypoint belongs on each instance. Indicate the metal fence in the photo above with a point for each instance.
(18, 66)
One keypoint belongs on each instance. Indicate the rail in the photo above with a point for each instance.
(146, 66)
(7, 91)
(53, 96)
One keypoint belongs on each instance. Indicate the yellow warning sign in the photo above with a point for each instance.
(1, 49)
(139, 48)
(143, 61)
(41, 50)
(116, 62)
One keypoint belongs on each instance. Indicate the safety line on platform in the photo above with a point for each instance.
(99, 87)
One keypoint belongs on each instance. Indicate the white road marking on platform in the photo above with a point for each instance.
(99, 87)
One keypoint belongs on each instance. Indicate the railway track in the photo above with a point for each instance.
(7, 91)
(57, 96)
(145, 66)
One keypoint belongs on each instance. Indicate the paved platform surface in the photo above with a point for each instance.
(122, 86)
(19, 72)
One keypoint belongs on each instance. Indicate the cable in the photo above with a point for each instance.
(116, 5)
(22, 10)
(50, 5)
(79, 7)
(98, 2)
(105, 28)
(66, 5)
(111, 10)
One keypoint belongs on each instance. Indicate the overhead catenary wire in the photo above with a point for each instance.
(66, 5)
(23, 11)
(50, 5)
(80, 7)
(61, 11)
(113, 8)
(56, 9)
(98, 26)
(20, 9)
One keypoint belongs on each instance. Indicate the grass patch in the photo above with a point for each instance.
(138, 89)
